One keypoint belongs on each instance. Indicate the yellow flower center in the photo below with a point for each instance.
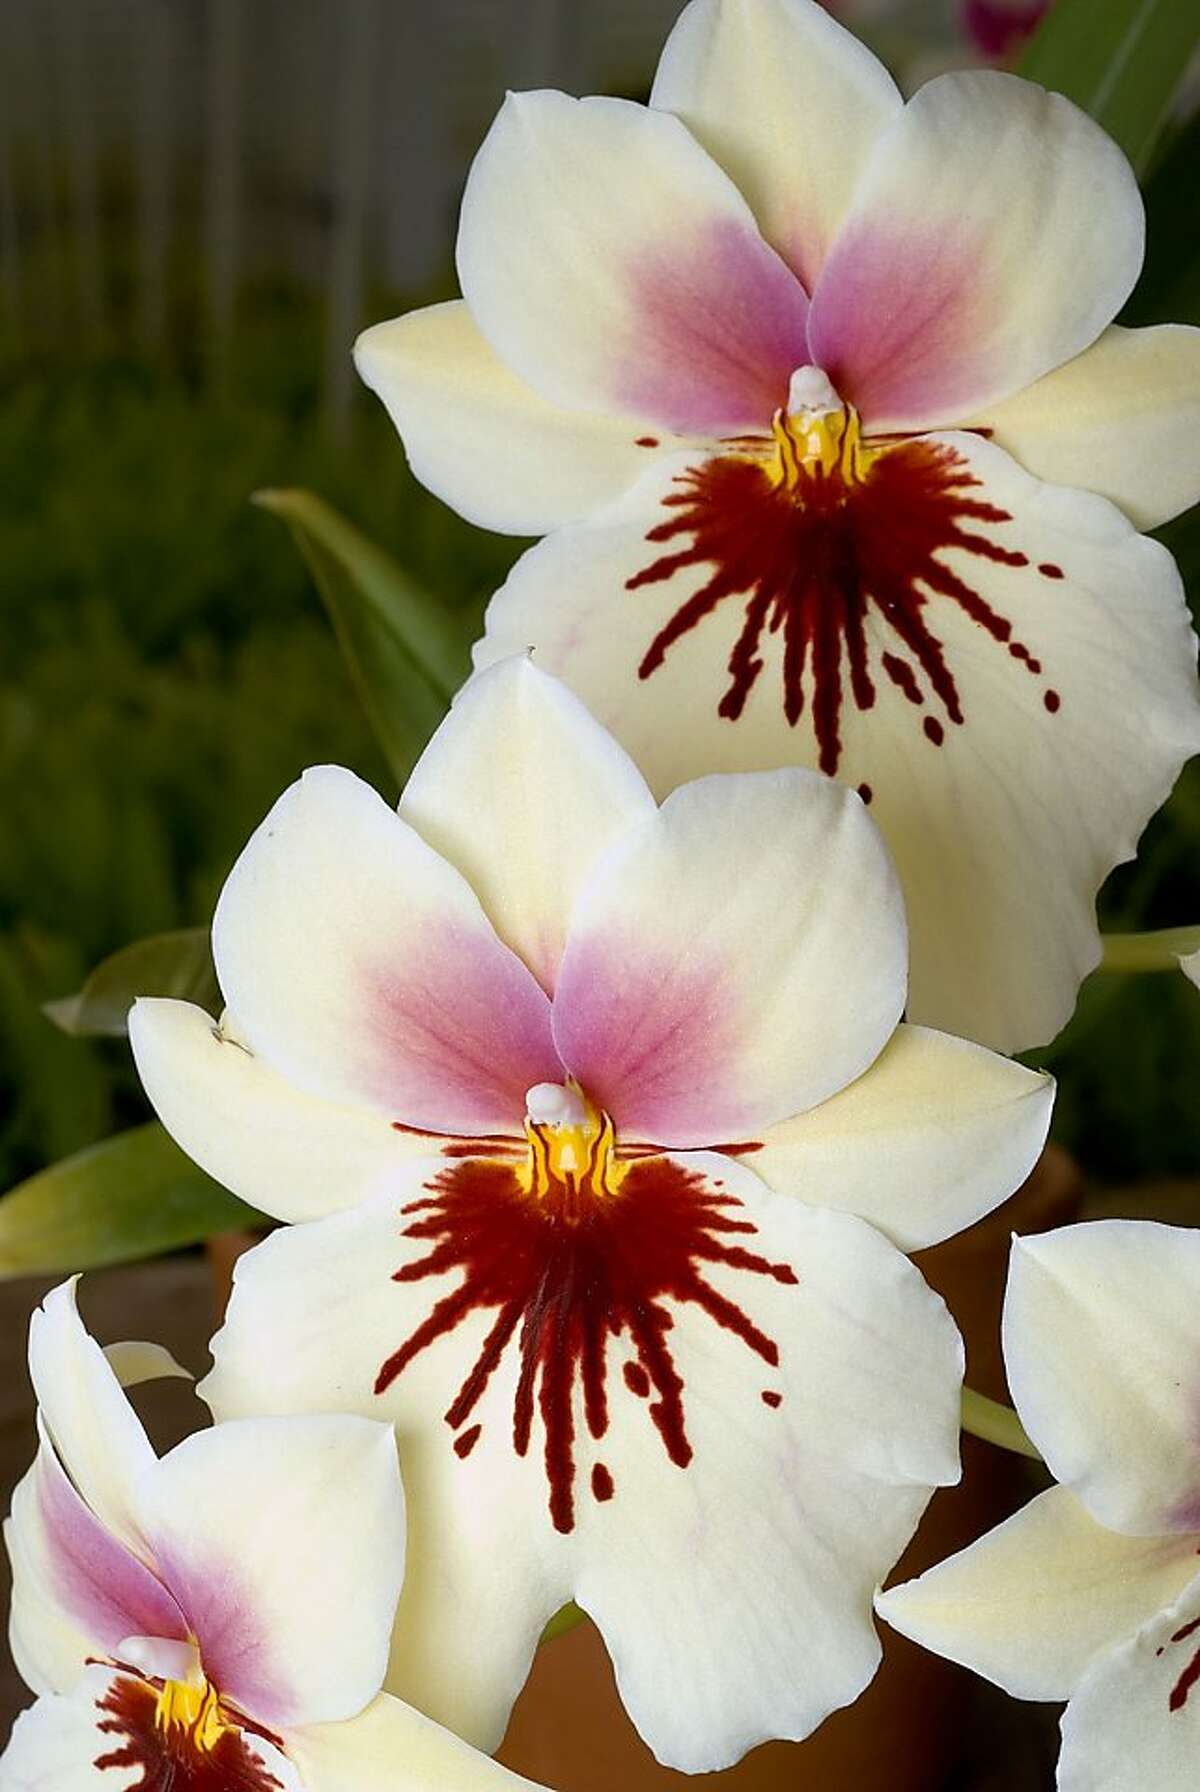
(816, 444)
(192, 1706)
(572, 1146)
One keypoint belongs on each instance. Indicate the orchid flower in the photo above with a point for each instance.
(1092, 1592)
(1189, 964)
(216, 1620)
(587, 1105)
(998, 28)
(812, 394)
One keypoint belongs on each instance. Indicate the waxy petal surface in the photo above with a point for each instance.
(284, 1545)
(788, 102)
(738, 957)
(934, 1135)
(480, 438)
(1134, 1721)
(734, 1609)
(392, 1748)
(615, 268)
(77, 1591)
(994, 234)
(290, 1154)
(1121, 419)
(1102, 1347)
(98, 1436)
(523, 791)
(701, 612)
(1034, 1602)
(361, 966)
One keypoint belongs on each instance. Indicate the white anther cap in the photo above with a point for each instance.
(552, 1104)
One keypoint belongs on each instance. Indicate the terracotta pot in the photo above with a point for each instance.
(569, 1729)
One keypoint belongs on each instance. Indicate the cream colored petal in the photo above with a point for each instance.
(1121, 419)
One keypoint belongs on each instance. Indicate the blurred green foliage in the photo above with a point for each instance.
(165, 668)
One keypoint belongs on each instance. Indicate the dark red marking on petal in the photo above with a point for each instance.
(1181, 1690)
(771, 1398)
(1053, 701)
(168, 1756)
(903, 677)
(1048, 570)
(646, 442)
(602, 1483)
(934, 730)
(465, 1442)
(1183, 1686)
(562, 1273)
(865, 792)
(814, 561)
(637, 1381)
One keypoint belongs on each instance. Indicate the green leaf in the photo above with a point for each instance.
(167, 964)
(407, 654)
(132, 1196)
(1122, 61)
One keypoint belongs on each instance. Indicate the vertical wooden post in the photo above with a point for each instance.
(10, 230)
(155, 60)
(73, 34)
(223, 96)
(352, 175)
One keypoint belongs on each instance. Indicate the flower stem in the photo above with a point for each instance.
(1159, 951)
(995, 1424)
(563, 1620)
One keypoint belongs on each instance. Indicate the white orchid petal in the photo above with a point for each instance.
(283, 1542)
(838, 1378)
(934, 1135)
(738, 957)
(523, 791)
(98, 1436)
(1121, 419)
(788, 102)
(995, 232)
(288, 1153)
(1102, 1348)
(78, 1591)
(1058, 635)
(615, 268)
(480, 438)
(1036, 1600)
(1134, 1722)
(361, 966)
(134, 1361)
(390, 1747)
(1189, 964)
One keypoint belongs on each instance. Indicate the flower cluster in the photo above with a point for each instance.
(604, 1086)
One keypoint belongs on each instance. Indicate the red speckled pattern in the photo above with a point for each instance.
(812, 563)
(565, 1271)
(169, 1758)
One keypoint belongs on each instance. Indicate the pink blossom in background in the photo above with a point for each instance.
(998, 28)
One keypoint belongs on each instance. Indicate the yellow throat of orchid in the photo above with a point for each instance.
(815, 434)
(572, 1144)
(192, 1706)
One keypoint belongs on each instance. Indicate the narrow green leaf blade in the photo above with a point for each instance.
(165, 964)
(1122, 62)
(406, 653)
(132, 1196)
